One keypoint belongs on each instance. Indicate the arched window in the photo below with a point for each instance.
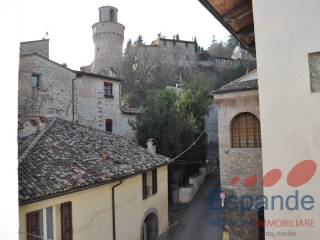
(245, 131)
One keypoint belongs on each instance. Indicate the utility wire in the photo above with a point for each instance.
(29, 234)
(195, 141)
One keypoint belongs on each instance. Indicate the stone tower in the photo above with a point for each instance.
(108, 37)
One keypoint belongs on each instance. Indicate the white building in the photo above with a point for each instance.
(285, 36)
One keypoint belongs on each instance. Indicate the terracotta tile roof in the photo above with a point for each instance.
(237, 86)
(67, 157)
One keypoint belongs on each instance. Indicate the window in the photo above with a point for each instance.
(35, 81)
(112, 15)
(314, 68)
(245, 131)
(40, 224)
(109, 125)
(66, 221)
(108, 90)
(149, 183)
(174, 43)
(187, 57)
(164, 42)
(187, 45)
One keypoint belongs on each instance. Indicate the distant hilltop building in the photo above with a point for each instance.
(173, 51)
(108, 36)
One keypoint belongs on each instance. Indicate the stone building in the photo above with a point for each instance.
(50, 89)
(80, 183)
(240, 152)
(213, 140)
(108, 37)
(181, 53)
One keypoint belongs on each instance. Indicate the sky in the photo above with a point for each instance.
(69, 22)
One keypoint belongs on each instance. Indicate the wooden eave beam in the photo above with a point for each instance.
(248, 31)
(239, 12)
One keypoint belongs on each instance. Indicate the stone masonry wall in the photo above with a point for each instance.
(53, 97)
(242, 162)
(92, 108)
(40, 47)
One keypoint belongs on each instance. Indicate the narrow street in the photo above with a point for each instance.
(199, 221)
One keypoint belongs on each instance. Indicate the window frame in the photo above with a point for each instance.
(245, 137)
(108, 90)
(110, 126)
(62, 227)
(38, 80)
(42, 223)
(314, 81)
(112, 15)
(149, 183)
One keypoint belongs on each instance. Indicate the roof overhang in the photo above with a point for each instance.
(237, 17)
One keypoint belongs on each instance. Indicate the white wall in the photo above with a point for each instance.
(286, 31)
(92, 210)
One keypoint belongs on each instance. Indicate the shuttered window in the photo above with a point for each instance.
(33, 225)
(149, 183)
(66, 221)
(154, 181)
(144, 186)
(40, 224)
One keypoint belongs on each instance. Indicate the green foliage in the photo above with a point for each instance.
(232, 42)
(174, 121)
(223, 49)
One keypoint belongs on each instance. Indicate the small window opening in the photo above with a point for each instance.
(112, 15)
(35, 81)
(108, 90)
(109, 125)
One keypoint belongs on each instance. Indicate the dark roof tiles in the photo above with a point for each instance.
(237, 86)
(67, 158)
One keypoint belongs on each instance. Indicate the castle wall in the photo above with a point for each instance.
(177, 52)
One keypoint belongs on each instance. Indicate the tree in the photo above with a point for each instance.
(174, 121)
(214, 41)
(159, 121)
(139, 41)
(232, 42)
(146, 67)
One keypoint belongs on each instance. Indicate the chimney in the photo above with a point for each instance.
(151, 145)
(104, 155)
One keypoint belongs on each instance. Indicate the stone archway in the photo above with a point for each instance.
(150, 226)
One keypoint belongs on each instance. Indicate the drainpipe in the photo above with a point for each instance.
(113, 212)
(73, 80)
